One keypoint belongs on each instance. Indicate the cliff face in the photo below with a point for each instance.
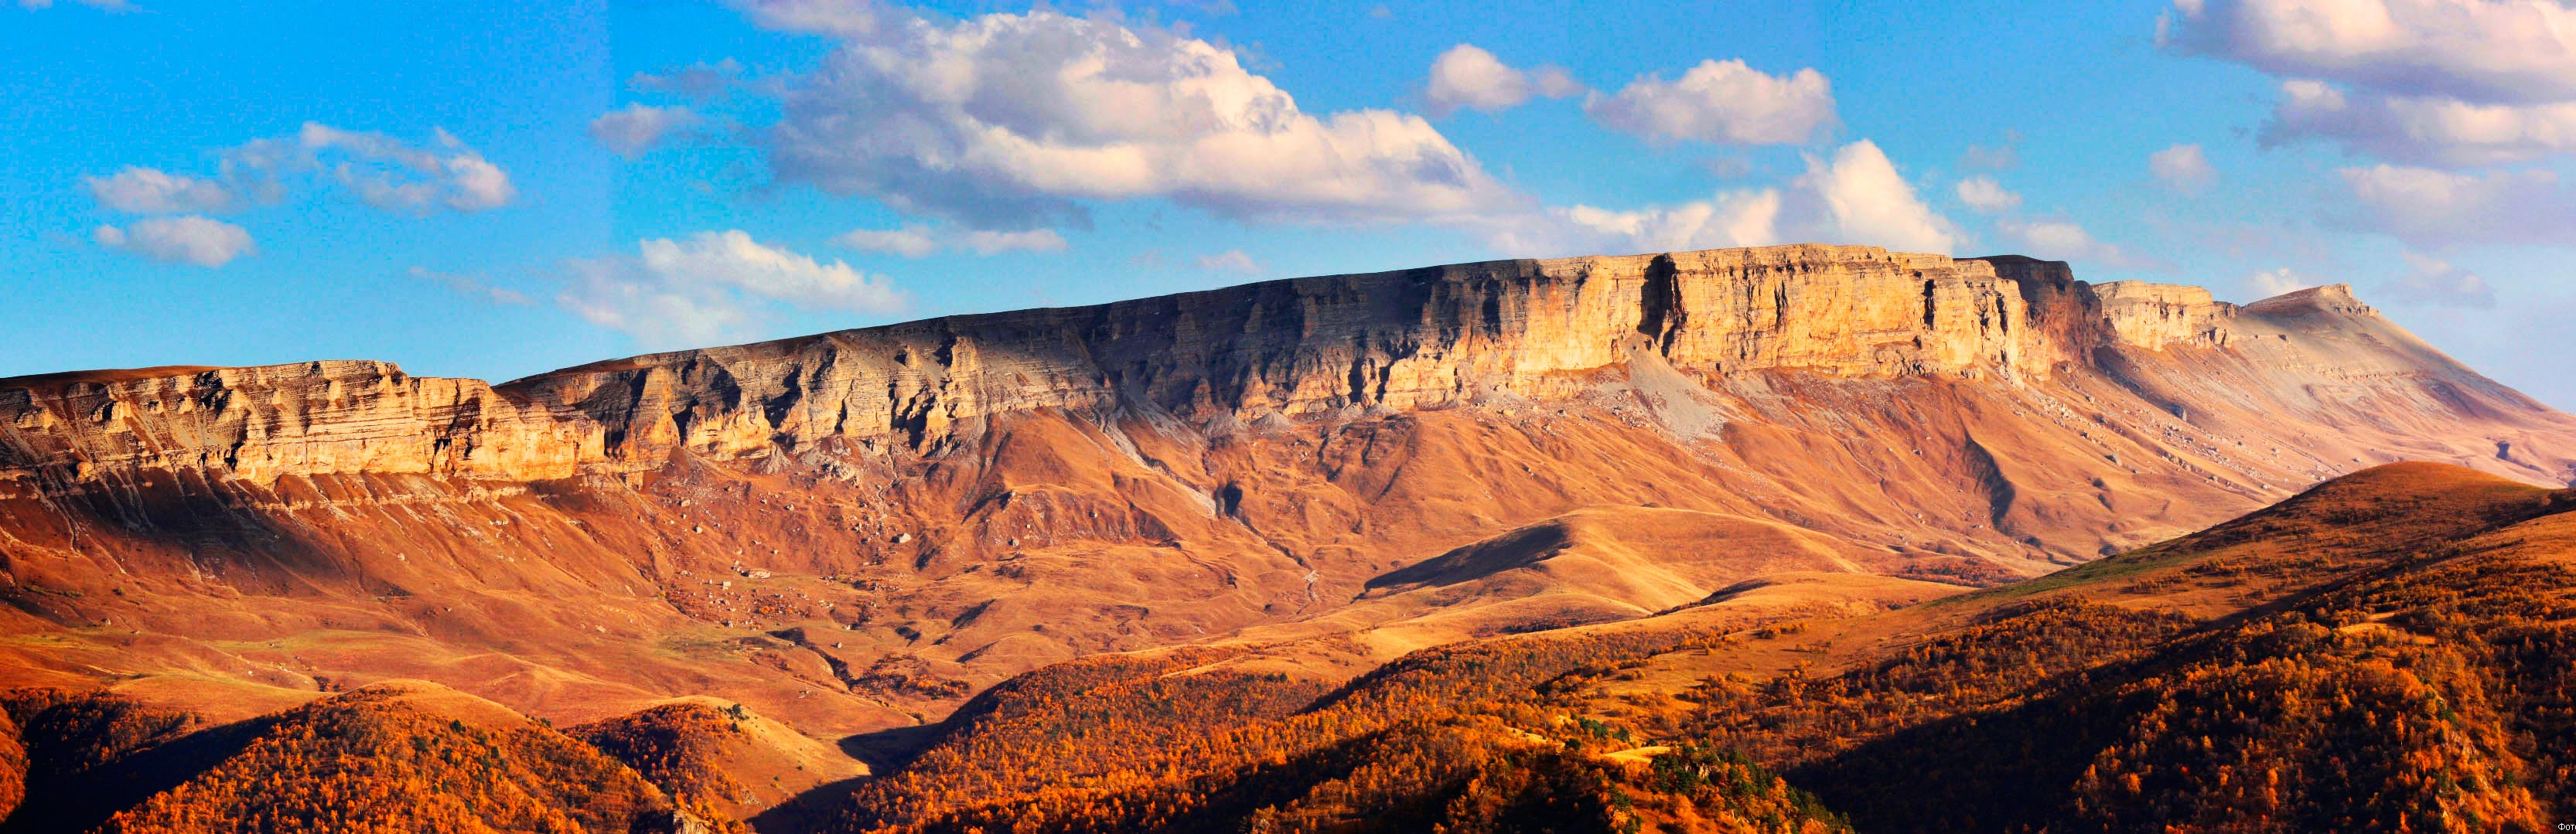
(955, 500)
(1405, 340)
(262, 422)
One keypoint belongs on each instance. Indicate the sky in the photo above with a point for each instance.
(494, 190)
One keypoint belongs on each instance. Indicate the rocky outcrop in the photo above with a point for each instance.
(2152, 316)
(960, 499)
(1402, 340)
(1405, 340)
(257, 423)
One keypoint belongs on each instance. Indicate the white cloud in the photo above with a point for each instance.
(909, 241)
(1855, 196)
(986, 242)
(2183, 168)
(2419, 129)
(836, 18)
(473, 288)
(696, 81)
(2432, 281)
(2498, 51)
(2434, 209)
(2065, 240)
(1231, 260)
(140, 190)
(915, 241)
(384, 172)
(1725, 102)
(1986, 196)
(1469, 76)
(714, 286)
(1867, 201)
(2268, 283)
(1006, 121)
(1738, 218)
(186, 239)
(638, 128)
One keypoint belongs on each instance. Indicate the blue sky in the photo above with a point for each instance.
(497, 189)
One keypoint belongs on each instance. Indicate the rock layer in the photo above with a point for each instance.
(893, 516)
(1405, 340)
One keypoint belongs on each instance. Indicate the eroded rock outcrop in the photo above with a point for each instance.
(258, 423)
(926, 507)
(1402, 340)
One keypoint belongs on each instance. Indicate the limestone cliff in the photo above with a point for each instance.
(1403, 340)
(892, 516)
(261, 422)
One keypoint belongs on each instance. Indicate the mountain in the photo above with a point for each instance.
(2386, 651)
(1287, 491)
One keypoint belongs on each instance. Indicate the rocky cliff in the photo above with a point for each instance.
(894, 516)
(1414, 339)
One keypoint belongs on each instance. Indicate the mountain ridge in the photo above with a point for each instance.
(803, 389)
(854, 531)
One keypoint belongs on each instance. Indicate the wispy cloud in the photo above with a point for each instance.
(187, 239)
(715, 286)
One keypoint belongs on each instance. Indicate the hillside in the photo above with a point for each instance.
(2383, 652)
(1253, 497)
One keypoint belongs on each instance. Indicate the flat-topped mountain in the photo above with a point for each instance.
(1409, 340)
(858, 530)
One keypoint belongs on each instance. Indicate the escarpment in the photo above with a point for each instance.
(1425, 338)
(858, 529)
(258, 423)
(1406, 340)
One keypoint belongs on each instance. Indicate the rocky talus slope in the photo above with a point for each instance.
(857, 530)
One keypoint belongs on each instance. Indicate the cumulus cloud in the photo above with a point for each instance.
(1867, 201)
(2433, 208)
(1007, 121)
(1725, 102)
(2505, 51)
(2183, 168)
(1855, 195)
(140, 190)
(2421, 82)
(1469, 76)
(916, 241)
(638, 128)
(1231, 260)
(1736, 218)
(696, 81)
(186, 239)
(1986, 196)
(2272, 282)
(2420, 129)
(715, 286)
(2432, 281)
(2065, 240)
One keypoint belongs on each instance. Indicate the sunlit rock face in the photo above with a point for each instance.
(1408, 340)
(928, 507)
